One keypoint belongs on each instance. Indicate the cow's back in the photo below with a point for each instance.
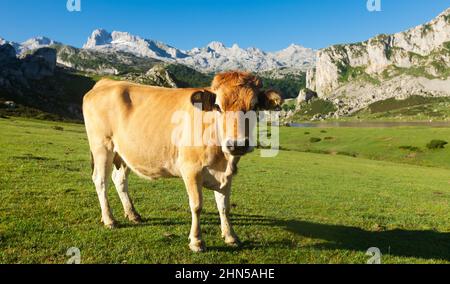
(135, 121)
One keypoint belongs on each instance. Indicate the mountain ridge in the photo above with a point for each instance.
(214, 57)
(412, 62)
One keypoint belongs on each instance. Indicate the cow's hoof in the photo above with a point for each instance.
(137, 220)
(197, 246)
(134, 218)
(111, 225)
(233, 242)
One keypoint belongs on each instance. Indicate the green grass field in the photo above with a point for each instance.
(323, 202)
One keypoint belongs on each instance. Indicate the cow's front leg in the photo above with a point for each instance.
(223, 205)
(193, 182)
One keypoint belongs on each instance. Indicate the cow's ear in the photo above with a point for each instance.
(270, 100)
(204, 100)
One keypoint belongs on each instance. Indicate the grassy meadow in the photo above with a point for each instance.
(325, 201)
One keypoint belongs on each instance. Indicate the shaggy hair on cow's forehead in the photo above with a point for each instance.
(236, 79)
(239, 89)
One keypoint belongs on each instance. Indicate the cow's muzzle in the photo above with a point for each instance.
(238, 147)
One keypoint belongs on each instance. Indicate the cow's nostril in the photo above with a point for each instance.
(230, 145)
(247, 143)
(243, 144)
(238, 147)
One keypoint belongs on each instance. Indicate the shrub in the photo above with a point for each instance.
(323, 131)
(329, 138)
(318, 151)
(314, 140)
(314, 107)
(307, 133)
(436, 144)
(410, 148)
(288, 107)
(349, 154)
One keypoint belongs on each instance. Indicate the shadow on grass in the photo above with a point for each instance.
(31, 157)
(149, 222)
(402, 243)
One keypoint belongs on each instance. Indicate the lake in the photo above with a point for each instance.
(370, 124)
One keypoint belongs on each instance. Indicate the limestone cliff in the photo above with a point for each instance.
(414, 62)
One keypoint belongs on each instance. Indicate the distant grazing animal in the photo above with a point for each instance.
(130, 127)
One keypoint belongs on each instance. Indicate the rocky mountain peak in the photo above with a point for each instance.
(413, 62)
(125, 37)
(216, 45)
(212, 58)
(98, 37)
(41, 40)
(101, 40)
(445, 14)
(35, 43)
(30, 44)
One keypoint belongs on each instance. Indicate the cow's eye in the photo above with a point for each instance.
(217, 107)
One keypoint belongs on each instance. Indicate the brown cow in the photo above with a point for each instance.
(130, 127)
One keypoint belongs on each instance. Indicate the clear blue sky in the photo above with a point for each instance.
(267, 24)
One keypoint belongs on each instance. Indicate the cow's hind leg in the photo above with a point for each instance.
(223, 205)
(120, 179)
(102, 158)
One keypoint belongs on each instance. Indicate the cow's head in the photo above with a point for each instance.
(233, 95)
